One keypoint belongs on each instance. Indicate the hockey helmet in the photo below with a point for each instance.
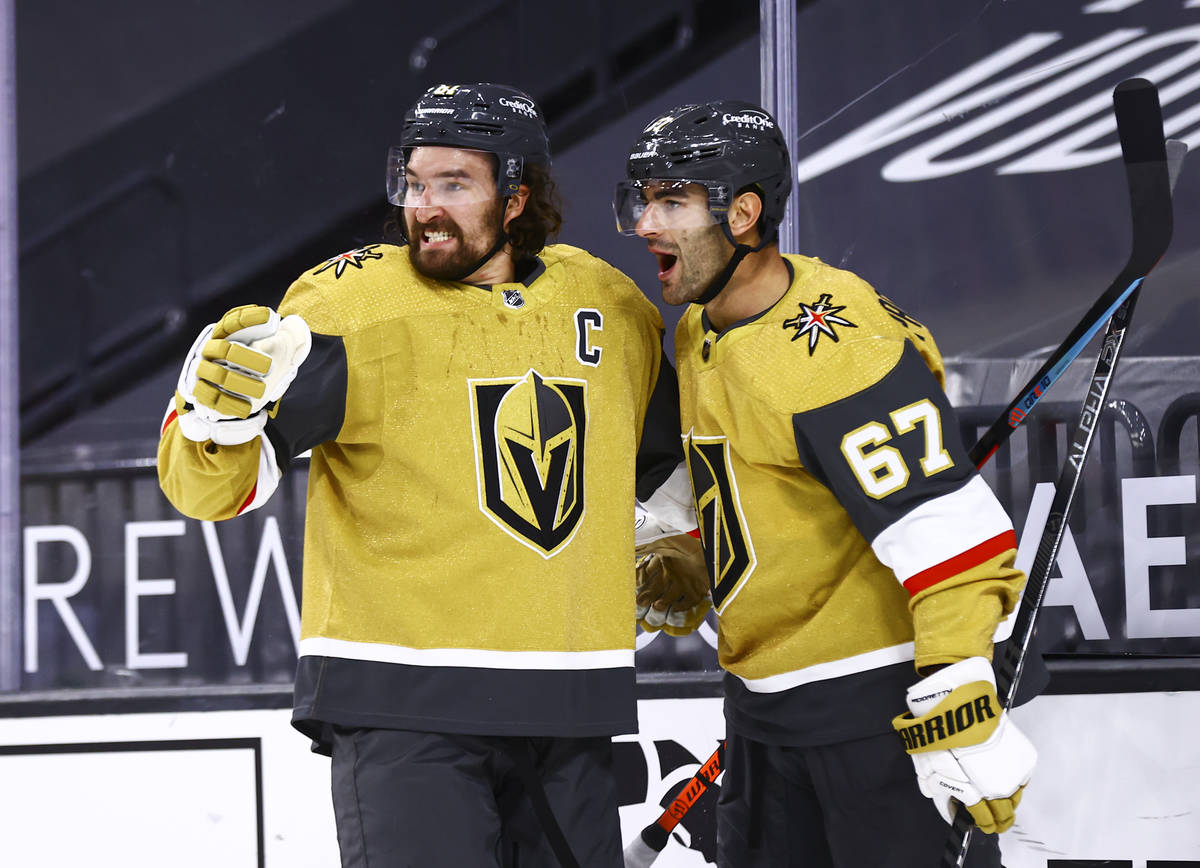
(493, 118)
(727, 147)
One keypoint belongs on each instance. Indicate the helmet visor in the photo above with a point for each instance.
(433, 176)
(670, 204)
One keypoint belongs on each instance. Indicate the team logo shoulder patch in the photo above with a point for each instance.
(816, 319)
(530, 433)
(350, 257)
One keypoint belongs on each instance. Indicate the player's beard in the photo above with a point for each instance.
(462, 258)
(701, 255)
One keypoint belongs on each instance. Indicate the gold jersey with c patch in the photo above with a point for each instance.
(475, 458)
(847, 533)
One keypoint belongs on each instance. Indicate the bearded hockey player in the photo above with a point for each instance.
(482, 410)
(856, 557)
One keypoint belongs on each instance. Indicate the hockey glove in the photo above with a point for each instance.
(672, 585)
(236, 370)
(965, 746)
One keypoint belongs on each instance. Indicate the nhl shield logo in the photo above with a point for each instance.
(529, 434)
(513, 298)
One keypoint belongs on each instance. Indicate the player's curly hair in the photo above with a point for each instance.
(542, 217)
(528, 232)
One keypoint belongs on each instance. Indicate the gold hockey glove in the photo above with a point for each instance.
(964, 746)
(672, 585)
(235, 370)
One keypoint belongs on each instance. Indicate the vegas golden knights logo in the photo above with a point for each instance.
(529, 439)
(723, 531)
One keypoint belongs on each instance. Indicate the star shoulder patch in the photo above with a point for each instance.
(350, 257)
(816, 319)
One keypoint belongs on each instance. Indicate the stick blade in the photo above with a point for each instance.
(1148, 171)
(1177, 151)
(1139, 121)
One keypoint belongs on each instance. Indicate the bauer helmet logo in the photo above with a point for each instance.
(752, 119)
(530, 436)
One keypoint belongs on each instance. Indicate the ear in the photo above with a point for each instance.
(515, 205)
(743, 217)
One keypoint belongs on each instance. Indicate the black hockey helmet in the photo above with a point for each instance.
(485, 117)
(727, 146)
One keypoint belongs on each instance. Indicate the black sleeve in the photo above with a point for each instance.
(821, 433)
(313, 408)
(661, 448)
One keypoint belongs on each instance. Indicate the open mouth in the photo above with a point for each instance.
(436, 237)
(666, 262)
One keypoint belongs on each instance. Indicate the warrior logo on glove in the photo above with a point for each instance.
(530, 438)
(964, 746)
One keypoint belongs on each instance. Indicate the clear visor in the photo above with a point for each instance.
(669, 205)
(441, 177)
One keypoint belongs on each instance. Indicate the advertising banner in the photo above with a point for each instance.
(1114, 786)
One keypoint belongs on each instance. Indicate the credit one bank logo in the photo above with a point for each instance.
(955, 125)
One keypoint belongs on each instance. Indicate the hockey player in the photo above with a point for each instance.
(481, 410)
(857, 559)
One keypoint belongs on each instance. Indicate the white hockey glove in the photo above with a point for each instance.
(672, 585)
(964, 746)
(236, 370)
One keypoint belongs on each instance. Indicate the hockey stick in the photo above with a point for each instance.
(644, 849)
(1148, 173)
(1149, 245)
(1150, 241)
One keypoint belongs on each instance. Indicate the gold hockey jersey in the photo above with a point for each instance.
(847, 532)
(469, 536)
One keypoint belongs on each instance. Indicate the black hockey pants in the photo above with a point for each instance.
(849, 805)
(423, 800)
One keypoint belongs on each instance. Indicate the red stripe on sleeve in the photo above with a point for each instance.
(960, 563)
(174, 414)
(248, 500)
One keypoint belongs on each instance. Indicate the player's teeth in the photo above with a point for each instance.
(434, 237)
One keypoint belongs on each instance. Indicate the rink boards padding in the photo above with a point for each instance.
(241, 788)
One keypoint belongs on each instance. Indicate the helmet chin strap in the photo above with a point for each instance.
(501, 240)
(740, 251)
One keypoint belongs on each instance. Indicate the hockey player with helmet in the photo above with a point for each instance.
(481, 410)
(856, 557)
